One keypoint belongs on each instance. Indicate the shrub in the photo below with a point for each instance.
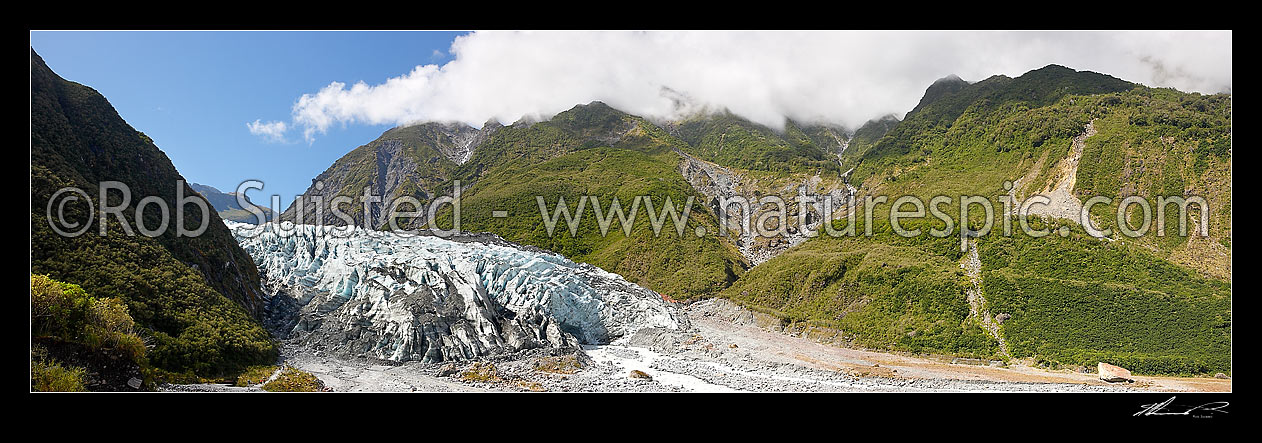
(294, 380)
(49, 376)
(66, 311)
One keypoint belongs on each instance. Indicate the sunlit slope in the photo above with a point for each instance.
(1160, 304)
(196, 299)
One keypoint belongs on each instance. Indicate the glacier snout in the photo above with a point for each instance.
(424, 298)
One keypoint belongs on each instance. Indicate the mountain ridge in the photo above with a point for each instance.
(998, 129)
(225, 203)
(197, 299)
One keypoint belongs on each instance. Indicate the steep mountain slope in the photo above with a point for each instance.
(830, 138)
(734, 142)
(405, 161)
(1157, 304)
(591, 150)
(196, 298)
(585, 126)
(599, 151)
(225, 203)
(735, 162)
(865, 137)
(1078, 300)
(952, 129)
(1054, 125)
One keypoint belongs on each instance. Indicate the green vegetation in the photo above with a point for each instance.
(289, 380)
(1155, 304)
(1148, 142)
(865, 137)
(294, 380)
(62, 314)
(255, 375)
(66, 312)
(583, 127)
(977, 130)
(50, 376)
(598, 151)
(971, 139)
(589, 150)
(732, 141)
(1079, 300)
(1160, 142)
(681, 266)
(192, 326)
(882, 292)
(194, 298)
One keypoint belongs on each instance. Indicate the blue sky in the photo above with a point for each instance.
(194, 92)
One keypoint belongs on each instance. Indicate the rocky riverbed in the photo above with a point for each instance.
(716, 355)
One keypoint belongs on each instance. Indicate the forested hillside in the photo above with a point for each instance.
(195, 299)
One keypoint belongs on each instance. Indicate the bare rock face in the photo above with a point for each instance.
(1112, 373)
(412, 161)
(745, 208)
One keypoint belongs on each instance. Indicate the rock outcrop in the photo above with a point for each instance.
(745, 207)
(407, 161)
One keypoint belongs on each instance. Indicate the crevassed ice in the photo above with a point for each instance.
(375, 269)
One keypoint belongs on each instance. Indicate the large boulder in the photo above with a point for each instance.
(1112, 373)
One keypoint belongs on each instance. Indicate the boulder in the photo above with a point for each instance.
(447, 369)
(1112, 373)
(640, 374)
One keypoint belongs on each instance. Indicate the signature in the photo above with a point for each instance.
(1204, 410)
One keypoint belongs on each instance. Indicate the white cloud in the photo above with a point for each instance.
(273, 131)
(841, 77)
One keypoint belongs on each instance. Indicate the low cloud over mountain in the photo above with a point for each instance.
(839, 77)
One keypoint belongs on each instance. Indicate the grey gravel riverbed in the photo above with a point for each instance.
(673, 361)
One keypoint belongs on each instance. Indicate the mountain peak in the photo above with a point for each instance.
(940, 88)
(948, 80)
(1054, 68)
(595, 114)
(595, 107)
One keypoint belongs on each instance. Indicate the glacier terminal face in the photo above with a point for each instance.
(358, 292)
